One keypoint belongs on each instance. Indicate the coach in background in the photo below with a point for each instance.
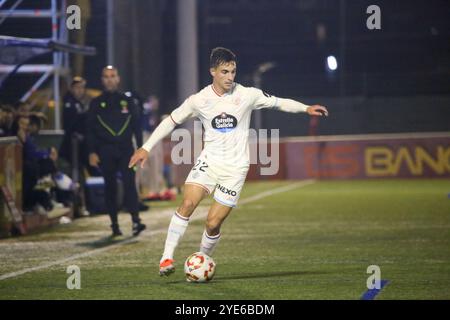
(113, 119)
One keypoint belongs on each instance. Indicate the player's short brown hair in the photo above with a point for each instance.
(220, 56)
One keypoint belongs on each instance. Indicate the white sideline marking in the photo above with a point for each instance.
(269, 193)
(198, 216)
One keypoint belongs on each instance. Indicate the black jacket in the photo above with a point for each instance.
(74, 115)
(113, 118)
(74, 120)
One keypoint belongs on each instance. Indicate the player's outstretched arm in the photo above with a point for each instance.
(289, 105)
(163, 129)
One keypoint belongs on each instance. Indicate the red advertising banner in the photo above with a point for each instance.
(417, 155)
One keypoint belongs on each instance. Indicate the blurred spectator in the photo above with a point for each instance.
(35, 125)
(24, 109)
(39, 169)
(37, 164)
(62, 186)
(150, 114)
(6, 120)
(75, 109)
(73, 146)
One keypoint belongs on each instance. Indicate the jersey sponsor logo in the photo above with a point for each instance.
(226, 190)
(224, 122)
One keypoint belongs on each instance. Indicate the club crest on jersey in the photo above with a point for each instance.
(224, 122)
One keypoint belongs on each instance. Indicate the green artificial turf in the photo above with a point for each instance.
(310, 242)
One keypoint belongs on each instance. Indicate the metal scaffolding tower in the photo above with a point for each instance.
(57, 41)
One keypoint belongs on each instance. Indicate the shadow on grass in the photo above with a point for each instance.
(260, 275)
(105, 242)
(267, 275)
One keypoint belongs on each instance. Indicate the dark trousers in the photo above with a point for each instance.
(33, 170)
(113, 159)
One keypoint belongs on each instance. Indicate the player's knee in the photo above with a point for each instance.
(213, 226)
(187, 206)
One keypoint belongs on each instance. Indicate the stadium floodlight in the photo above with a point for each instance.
(332, 64)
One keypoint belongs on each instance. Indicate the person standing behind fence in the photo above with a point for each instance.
(6, 120)
(75, 107)
(74, 120)
(113, 119)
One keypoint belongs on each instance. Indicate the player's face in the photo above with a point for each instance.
(24, 123)
(78, 90)
(223, 76)
(6, 118)
(110, 79)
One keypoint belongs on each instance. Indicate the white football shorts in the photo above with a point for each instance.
(226, 182)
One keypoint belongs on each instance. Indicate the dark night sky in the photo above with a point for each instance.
(409, 56)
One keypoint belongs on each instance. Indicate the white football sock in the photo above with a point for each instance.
(209, 243)
(177, 227)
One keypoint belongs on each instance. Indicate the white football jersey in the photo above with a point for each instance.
(226, 120)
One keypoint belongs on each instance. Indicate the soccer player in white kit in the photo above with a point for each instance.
(224, 108)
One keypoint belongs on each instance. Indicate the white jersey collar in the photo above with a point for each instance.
(226, 93)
